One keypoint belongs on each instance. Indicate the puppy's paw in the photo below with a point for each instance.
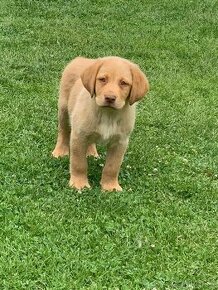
(79, 183)
(92, 151)
(94, 154)
(60, 151)
(111, 186)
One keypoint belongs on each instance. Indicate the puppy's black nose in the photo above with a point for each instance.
(110, 99)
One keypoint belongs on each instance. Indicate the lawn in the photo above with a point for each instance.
(160, 232)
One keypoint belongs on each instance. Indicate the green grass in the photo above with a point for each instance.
(161, 231)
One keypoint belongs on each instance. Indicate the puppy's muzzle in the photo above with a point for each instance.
(109, 99)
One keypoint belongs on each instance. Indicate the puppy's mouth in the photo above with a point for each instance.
(111, 107)
(108, 105)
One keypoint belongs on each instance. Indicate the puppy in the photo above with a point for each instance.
(97, 104)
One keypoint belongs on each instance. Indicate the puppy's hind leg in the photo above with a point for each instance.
(63, 139)
(92, 151)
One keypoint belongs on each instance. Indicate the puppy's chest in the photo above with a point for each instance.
(108, 128)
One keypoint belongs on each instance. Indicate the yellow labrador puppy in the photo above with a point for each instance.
(97, 104)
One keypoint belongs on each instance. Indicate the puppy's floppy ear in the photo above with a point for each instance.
(88, 77)
(140, 85)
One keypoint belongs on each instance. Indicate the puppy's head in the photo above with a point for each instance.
(114, 82)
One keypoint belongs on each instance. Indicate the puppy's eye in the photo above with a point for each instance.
(123, 83)
(102, 80)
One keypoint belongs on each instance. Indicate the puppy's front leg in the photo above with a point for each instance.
(78, 163)
(109, 179)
